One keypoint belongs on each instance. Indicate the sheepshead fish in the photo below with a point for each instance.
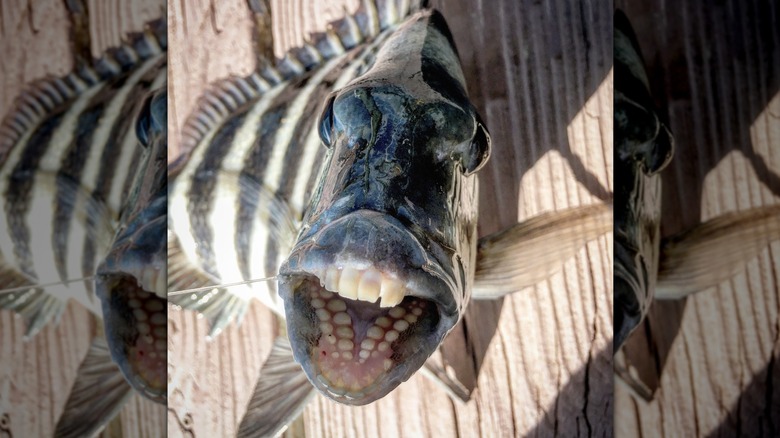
(83, 178)
(366, 215)
(648, 267)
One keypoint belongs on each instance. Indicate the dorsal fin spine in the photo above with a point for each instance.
(373, 17)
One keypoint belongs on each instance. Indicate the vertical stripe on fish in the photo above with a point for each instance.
(235, 202)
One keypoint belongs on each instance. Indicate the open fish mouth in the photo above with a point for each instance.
(365, 306)
(136, 330)
(131, 283)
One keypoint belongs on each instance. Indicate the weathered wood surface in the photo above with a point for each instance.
(715, 71)
(541, 360)
(36, 375)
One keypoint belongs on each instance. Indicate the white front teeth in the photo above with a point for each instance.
(370, 285)
(364, 285)
(151, 280)
(349, 282)
(392, 293)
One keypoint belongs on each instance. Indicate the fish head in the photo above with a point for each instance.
(383, 266)
(131, 279)
(644, 147)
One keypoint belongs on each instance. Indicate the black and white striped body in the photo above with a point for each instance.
(237, 202)
(381, 220)
(69, 155)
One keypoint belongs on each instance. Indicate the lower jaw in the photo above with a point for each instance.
(351, 349)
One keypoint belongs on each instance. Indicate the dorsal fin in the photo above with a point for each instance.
(42, 97)
(36, 102)
(34, 305)
(225, 96)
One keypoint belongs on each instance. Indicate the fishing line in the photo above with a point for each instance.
(220, 286)
(35, 286)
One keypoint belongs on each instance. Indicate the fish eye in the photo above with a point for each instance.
(153, 116)
(143, 122)
(326, 121)
(478, 152)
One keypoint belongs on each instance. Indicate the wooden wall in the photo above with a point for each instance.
(715, 70)
(540, 360)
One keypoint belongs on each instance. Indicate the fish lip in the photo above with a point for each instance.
(397, 251)
(420, 273)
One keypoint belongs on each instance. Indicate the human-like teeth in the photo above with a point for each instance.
(332, 279)
(349, 283)
(345, 332)
(370, 284)
(392, 293)
(152, 280)
(363, 284)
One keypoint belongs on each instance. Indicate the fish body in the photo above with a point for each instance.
(391, 228)
(352, 182)
(77, 185)
(381, 191)
(239, 194)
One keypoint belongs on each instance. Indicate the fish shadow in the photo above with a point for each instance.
(754, 413)
(713, 68)
(530, 67)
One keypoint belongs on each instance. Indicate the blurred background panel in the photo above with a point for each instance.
(540, 74)
(714, 70)
(36, 375)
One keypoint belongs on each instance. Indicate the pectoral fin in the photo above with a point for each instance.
(714, 251)
(435, 369)
(37, 307)
(99, 393)
(531, 251)
(280, 395)
(218, 305)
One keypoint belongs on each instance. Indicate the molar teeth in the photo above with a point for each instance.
(342, 318)
(349, 282)
(345, 332)
(337, 305)
(383, 322)
(322, 314)
(370, 283)
(401, 325)
(392, 293)
(375, 332)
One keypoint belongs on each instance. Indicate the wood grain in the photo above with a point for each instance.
(541, 360)
(36, 375)
(715, 72)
